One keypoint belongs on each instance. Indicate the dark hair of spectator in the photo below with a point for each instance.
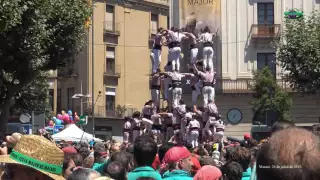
(144, 150)
(280, 125)
(243, 156)
(232, 171)
(201, 151)
(125, 158)
(84, 151)
(116, 170)
(145, 178)
(77, 159)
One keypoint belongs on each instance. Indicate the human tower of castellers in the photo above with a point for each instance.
(176, 121)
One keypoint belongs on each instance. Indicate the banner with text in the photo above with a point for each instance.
(198, 14)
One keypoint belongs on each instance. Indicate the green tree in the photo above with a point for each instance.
(299, 52)
(10, 13)
(33, 97)
(268, 97)
(42, 35)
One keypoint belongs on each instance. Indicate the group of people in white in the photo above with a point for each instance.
(177, 122)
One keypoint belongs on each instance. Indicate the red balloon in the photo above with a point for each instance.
(66, 118)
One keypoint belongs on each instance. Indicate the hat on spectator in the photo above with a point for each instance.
(247, 136)
(208, 173)
(69, 150)
(37, 153)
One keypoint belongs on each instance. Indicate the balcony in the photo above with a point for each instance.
(263, 31)
(241, 86)
(103, 111)
(113, 71)
(265, 34)
(112, 28)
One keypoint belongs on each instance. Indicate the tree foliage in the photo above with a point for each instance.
(268, 97)
(299, 52)
(10, 13)
(34, 96)
(36, 36)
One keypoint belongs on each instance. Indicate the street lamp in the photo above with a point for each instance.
(81, 96)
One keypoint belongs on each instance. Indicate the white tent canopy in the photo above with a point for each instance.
(73, 133)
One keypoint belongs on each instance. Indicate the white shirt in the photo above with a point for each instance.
(206, 37)
(127, 125)
(172, 37)
(194, 124)
(148, 123)
(156, 119)
(179, 36)
(175, 76)
(210, 122)
(212, 108)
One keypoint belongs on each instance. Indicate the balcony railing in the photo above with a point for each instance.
(243, 85)
(103, 111)
(111, 27)
(162, 2)
(113, 70)
(265, 31)
(240, 86)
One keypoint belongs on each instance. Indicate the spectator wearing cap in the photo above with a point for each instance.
(144, 151)
(208, 173)
(100, 159)
(69, 150)
(178, 161)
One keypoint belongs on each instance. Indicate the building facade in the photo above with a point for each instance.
(246, 32)
(123, 34)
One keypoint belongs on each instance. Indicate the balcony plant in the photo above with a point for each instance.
(120, 110)
(270, 103)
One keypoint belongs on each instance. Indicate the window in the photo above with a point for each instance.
(110, 60)
(70, 93)
(110, 100)
(51, 99)
(59, 100)
(109, 24)
(154, 23)
(265, 13)
(266, 19)
(267, 59)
